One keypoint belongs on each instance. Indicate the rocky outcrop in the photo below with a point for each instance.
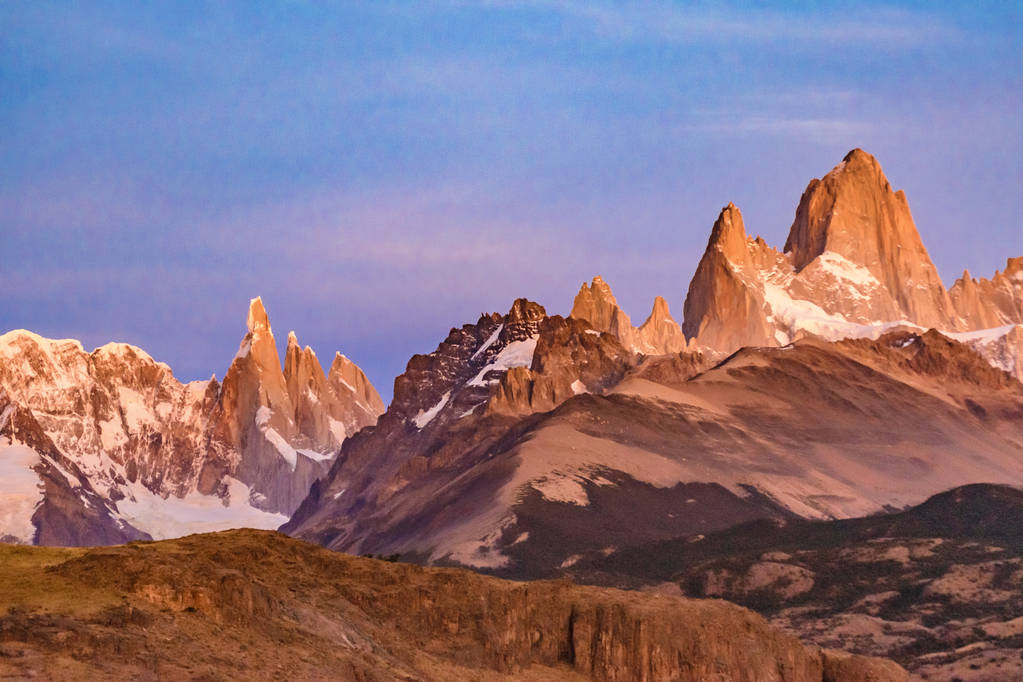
(659, 335)
(853, 266)
(569, 359)
(351, 386)
(169, 457)
(989, 303)
(258, 605)
(596, 304)
(725, 309)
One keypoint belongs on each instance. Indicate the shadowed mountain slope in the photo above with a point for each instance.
(936, 587)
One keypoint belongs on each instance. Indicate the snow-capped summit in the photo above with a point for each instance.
(124, 450)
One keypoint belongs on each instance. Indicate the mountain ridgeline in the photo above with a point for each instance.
(834, 378)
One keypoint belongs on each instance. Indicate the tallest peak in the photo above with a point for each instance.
(857, 155)
(854, 213)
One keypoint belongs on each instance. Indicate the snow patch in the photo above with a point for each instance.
(263, 415)
(316, 456)
(995, 346)
(195, 513)
(842, 268)
(111, 434)
(21, 490)
(800, 315)
(337, 429)
(424, 418)
(515, 354)
(286, 452)
(488, 343)
(244, 347)
(284, 449)
(983, 336)
(133, 407)
(561, 488)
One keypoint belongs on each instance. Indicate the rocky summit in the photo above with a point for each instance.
(109, 446)
(853, 265)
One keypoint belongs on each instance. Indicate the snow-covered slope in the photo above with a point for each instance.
(172, 458)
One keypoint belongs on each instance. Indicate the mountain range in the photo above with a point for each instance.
(106, 447)
(834, 379)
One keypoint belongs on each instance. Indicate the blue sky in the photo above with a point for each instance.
(380, 172)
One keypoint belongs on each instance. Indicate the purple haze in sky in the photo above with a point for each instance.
(379, 172)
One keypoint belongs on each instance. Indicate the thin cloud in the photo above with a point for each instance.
(664, 22)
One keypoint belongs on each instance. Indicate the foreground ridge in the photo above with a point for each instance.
(223, 605)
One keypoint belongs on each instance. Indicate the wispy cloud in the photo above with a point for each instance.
(673, 22)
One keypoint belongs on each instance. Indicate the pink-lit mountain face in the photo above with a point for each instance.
(122, 449)
(834, 378)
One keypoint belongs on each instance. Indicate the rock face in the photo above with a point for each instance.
(216, 606)
(984, 304)
(853, 266)
(659, 335)
(167, 457)
(725, 307)
(853, 213)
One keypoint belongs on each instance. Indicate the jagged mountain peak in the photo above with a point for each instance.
(729, 233)
(257, 320)
(853, 261)
(1014, 267)
(596, 304)
(524, 310)
(853, 213)
(20, 337)
(161, 457)
(660, 311)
